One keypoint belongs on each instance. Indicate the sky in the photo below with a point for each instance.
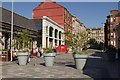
(61, 0)
(92, 14)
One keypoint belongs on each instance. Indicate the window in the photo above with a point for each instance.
(46, 29)
(114, 19)
(114, 35)
(111, 34)
(111, 42)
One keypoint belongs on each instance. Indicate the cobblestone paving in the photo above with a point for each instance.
(59, 70)
(97, 66)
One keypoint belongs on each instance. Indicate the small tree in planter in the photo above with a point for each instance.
(22, 43)
(78, 42)
(49, 55)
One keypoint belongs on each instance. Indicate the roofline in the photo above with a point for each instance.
(45, 17)
(19, 26)
(49, 2)
(96, 28)
(15, 13)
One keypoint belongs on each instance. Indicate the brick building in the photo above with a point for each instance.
(37, 28)
(54, 11)
(110, 25)
(112, 29)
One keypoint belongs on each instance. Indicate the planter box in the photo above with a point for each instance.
(22, 58)
(80, 60)
(49, 58)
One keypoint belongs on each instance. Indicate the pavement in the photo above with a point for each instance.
(97, 66)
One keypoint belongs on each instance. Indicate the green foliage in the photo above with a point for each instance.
(48, 50)
(22, 39)
(92, 40)
(77, 41)
(23, 50)
(4, 50)
(80, 52)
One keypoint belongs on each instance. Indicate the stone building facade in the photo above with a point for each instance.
(112, 31)
(51, 33)
(110, 25)
(78, 27)
(98, 34)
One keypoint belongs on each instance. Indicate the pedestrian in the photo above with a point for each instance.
(33, 52)
(41, 51)
(33, 55)
(28, 60)
(14, 55)
(38, 52)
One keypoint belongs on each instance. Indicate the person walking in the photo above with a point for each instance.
(41, 51)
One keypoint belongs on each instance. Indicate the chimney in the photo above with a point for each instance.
(48, 0)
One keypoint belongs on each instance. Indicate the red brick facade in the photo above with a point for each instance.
(55, 12)
(110, 26)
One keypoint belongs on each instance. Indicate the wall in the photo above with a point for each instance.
(47, 23)
(50, 9)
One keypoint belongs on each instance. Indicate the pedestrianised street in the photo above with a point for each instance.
(97, 66)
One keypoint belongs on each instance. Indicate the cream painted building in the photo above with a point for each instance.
(77, 26)
(98, 34)
(51, 33)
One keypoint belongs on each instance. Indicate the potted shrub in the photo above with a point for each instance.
(22, 56)
(80, 58)
(49, 55)
(22, 44)
(78, 42)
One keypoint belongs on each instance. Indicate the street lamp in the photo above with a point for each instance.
(12, 31)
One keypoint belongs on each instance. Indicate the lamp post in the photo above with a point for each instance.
(12, 30)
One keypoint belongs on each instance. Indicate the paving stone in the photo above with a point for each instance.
(63, 68)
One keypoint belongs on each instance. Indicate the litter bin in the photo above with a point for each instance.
(4, 56)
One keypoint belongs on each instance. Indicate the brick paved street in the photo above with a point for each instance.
(96, 66)
(59, 70)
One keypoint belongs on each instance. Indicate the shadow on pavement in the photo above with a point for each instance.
(71, 65)
(95, 66)
(43, 64)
